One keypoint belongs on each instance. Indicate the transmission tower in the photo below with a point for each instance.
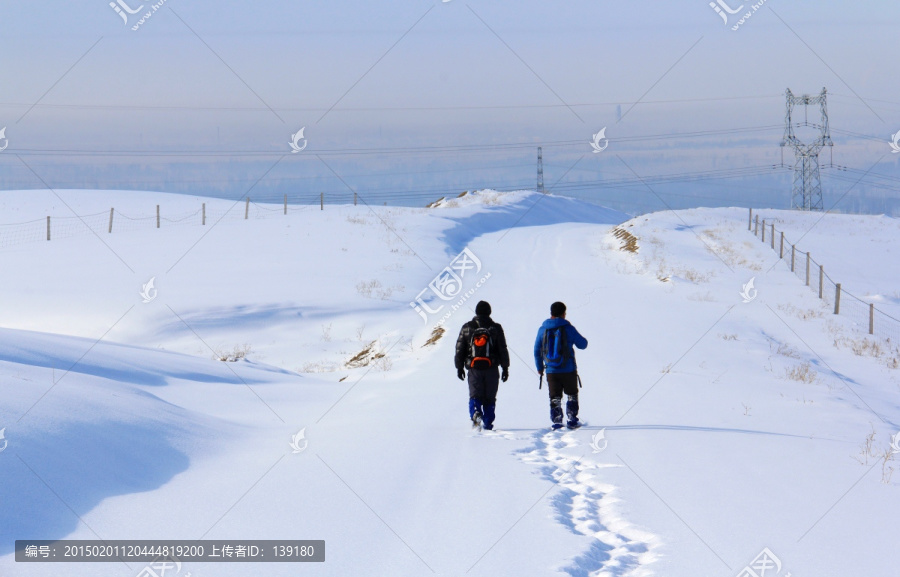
(540, 178)
(806, 191)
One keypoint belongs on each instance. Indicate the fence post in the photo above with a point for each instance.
(247, 208)
(871, 318)
(321, 201)
(807, 268)
(837, 298)
(285, 204)
(821, 280)
(203, 221)
(750, 221)
(354, 200)
(48, 228)
(781, 246)
(764, 231)
(111, 218)
(157, 216)
(793, 253)
(756, 226)
(773, 237)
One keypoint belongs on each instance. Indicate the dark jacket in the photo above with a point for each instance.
(500, 354)
(572, 338)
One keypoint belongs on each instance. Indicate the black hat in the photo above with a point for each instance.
(483, 309)
(557, 309)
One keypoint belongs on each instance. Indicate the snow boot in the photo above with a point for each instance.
(572, 413)
(556, 414)
(488, 417)
(475, 413)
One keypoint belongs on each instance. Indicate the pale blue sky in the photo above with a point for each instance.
(203, 75)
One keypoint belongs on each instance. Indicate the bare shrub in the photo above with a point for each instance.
(867, 449)
(803, 314)
(367, 355)
(785, 350)
(802, 372)
(237, 353)
(436, 335)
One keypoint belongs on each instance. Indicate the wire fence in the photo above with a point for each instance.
(864, 315)
(113, 221)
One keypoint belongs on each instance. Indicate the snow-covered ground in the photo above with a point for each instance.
(716, 428)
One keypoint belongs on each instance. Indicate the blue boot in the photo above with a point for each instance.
(556, 414)
(488, 416)
(475, 412)
(572, 413)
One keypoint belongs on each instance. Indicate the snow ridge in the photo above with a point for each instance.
(584, 506)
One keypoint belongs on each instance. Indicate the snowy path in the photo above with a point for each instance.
(585, 506)
(731, 426)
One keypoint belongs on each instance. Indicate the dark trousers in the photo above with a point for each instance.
(557, 384)
(483, 386)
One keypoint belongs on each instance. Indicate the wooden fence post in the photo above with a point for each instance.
(807, 268)
(247, 208)
(793, 254)
(111, 218)
(764, 230)
(48, 228)
(285, 204)
(203, 221)
(773, 237)
(321, 201)
(871, 318)
(354, 198)
(157, 216)
(837, 298)
(756, 226)
(781, 246)
(749, 220)
(821, 280)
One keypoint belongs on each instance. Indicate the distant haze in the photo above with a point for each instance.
(409, 101)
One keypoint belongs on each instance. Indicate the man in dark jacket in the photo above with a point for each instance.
(483, 353)
(553, 352)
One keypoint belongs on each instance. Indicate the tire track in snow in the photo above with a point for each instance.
(584, 505)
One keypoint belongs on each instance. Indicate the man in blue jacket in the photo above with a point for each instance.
(553, 352)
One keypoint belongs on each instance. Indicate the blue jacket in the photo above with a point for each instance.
(572, 338)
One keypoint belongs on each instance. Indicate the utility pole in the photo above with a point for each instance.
(806, 193)
(540, 175)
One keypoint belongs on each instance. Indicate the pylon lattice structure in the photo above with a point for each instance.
(806, 193)
(540, 176)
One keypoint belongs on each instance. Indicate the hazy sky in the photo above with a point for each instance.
(409, 100)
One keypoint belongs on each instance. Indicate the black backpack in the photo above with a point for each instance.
(555, 347)
(481, 349)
